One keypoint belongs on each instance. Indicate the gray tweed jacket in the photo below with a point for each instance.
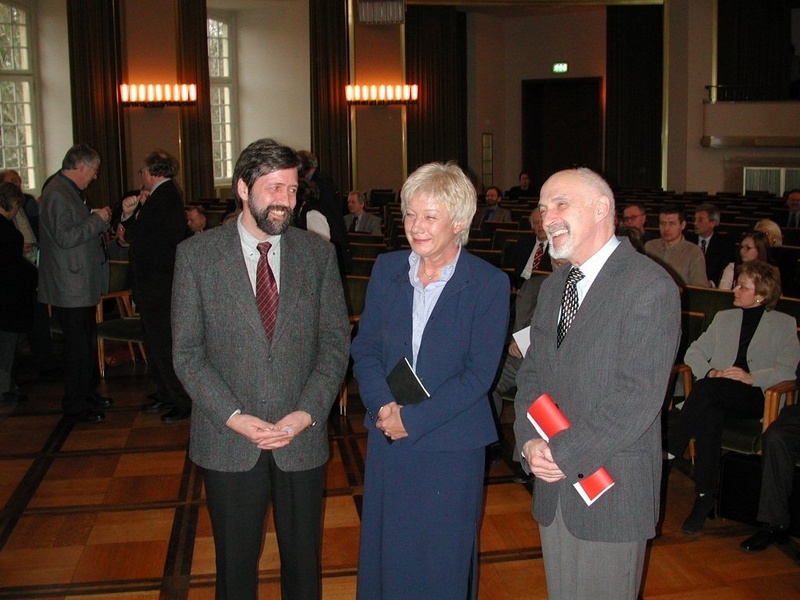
(226, 362)
(609, 378)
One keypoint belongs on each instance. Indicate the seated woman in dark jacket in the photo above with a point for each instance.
(744, 351)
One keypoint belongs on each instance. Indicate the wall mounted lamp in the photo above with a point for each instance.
(156, 94)
(381, 94)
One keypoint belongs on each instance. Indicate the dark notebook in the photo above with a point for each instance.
(405, 385)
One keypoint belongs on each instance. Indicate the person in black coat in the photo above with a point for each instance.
(17, 299)
(154, 224)
(315, 215)
(717, 248)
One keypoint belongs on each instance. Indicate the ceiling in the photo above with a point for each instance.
(498, 8)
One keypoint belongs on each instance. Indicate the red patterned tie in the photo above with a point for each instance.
(266, 290)
(537, 257)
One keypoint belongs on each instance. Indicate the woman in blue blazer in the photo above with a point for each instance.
(742, 353)
(446, 311)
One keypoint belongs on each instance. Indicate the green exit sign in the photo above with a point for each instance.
(560, 67)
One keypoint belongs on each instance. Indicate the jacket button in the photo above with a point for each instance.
(580, 475)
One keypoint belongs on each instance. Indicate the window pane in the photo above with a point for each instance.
(16, 128)
(220, 72)
(17, 144)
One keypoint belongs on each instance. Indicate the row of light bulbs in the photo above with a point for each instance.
(156, 93)
(388, 94)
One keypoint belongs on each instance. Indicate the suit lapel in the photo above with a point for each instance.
(235, 282)
(595, 302)
(291, 272)
(462, 277)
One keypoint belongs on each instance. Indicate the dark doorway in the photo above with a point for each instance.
(562, 126)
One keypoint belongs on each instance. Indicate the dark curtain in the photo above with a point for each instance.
(754, 52)
(196, 152)
(436, 60)
(330, 114)
(94, 61)
(634, 90)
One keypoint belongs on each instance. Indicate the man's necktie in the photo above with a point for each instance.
(266, 290)
(569, 303)
(703, 246)
(353, 225)
(537, 256)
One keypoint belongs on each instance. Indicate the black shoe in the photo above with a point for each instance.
(100, 401)
(764, 538)
(703, 508)
(176, 414)
(521, 476)
(157, 405)
(88, 416)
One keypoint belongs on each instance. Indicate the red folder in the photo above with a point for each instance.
(548, 420)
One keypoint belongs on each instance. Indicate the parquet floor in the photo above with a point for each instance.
(116, 511)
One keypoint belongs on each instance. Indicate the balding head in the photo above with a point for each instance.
(577, 207)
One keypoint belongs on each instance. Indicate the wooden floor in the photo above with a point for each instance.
(116, 511)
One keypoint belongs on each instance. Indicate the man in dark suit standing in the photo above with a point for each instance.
(73, 273)
(603, 340)
(327, 192)
(530, 252)
(716, 247)
(155, 224)
(261, 343)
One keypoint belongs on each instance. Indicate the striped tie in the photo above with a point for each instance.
(266, 290)
(537, 256)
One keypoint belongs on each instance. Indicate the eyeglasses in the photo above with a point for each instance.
(627, 218)
(739, 286)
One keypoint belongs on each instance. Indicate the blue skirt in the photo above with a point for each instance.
(419, 524)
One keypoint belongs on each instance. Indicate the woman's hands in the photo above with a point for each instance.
(735, 373)
(390, 422)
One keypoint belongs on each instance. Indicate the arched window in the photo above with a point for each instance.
(221, 66)
(18, 141)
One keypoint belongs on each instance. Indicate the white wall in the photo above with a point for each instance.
(508, 51)
(274, 73)
(53, 84)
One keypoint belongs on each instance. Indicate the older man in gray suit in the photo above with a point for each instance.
(262, 377)
(73, 273)
(604, 356)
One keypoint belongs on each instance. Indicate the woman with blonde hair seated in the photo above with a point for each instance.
(744, 351)
(772, 231)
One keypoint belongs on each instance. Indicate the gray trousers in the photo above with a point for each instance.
(585, 570)
(506, 382)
